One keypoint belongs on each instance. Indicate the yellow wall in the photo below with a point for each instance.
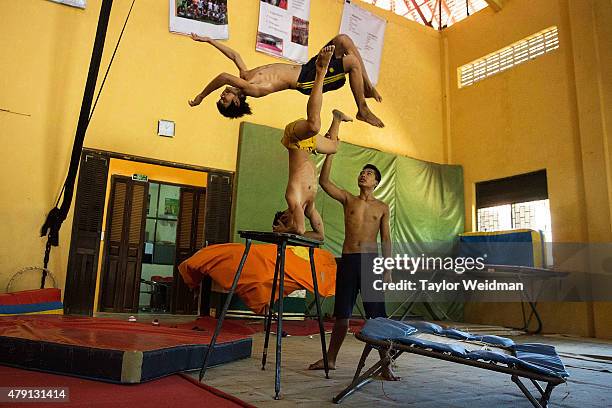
(602, 11)
(46, 49)
(118, 167)
(552, 112)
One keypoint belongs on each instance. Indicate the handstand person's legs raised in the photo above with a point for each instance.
(310, 127)
(329, 143)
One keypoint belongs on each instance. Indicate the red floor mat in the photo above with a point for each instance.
(307, 327)
(173, 391)
(106, 333)
(111, 350)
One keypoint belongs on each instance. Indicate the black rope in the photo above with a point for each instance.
(57, 215)
(102, 86)
(111, 62)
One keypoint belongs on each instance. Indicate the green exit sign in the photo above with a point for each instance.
(140, 177)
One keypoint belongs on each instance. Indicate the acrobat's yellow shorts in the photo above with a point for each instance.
(290, 140)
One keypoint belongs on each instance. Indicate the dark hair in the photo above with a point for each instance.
(375, 169)
(277, 217)
(233, 111)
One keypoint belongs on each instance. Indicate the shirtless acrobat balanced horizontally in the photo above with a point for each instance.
(267, 79)
(301, 138)
(364, 218)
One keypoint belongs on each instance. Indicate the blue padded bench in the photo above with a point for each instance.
(538, 363)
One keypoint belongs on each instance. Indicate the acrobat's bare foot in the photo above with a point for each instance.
(320, 365)
(388, 375)
(325, 56)
(366, 115)
(196, 101)
(343, 117)
(371, 92)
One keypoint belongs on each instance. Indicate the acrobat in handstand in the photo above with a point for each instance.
(302, 138)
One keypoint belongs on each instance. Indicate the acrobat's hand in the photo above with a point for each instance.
(196, 101)
(280, 228)
(196, 37)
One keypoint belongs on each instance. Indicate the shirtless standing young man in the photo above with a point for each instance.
(264, 80)
(364, 218)
(301, 138)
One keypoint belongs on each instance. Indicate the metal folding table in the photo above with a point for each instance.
(282, 241)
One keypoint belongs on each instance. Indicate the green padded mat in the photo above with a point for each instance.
(425, 199)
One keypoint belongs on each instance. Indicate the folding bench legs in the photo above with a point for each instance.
(365, 378)
(545, 394)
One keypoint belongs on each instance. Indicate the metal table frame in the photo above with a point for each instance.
(281, 240)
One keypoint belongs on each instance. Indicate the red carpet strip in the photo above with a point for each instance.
(169, 392)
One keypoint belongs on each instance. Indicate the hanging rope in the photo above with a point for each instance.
(56, 216)
(102, 85)
(111, 61)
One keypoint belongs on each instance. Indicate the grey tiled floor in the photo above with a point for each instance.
(425, 382)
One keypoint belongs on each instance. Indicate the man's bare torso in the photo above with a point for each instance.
(302, 185)
(362, 220)
(273, 77)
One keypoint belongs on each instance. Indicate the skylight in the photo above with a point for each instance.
(427, 12)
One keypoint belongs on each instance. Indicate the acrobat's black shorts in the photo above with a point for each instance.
(355, 270)
(334, 77)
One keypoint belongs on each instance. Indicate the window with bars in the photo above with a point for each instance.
(519, 201)
(533, 215)
(524, 50)
(530, 214)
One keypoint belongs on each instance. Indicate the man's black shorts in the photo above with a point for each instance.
(334, 77)
(355, 270)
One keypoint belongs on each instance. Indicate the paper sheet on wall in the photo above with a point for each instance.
(207, 18)
(368, 33)
(283, 29)
(74, 3)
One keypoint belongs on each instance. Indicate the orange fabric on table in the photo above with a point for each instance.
(220, 262)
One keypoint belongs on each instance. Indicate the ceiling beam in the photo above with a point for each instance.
(450, 19)
(433, 11)
(418, 10)
(496, 5)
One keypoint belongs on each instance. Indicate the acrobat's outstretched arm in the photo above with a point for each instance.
(223, 80)
(329, 187)
(227, 51)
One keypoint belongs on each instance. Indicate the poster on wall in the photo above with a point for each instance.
(283, 29)
(207, 18)
(73, 3)
(367, 31)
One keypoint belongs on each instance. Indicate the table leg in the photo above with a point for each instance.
(319, 314)
(279, 323)
(271, 308)
(209, 351)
